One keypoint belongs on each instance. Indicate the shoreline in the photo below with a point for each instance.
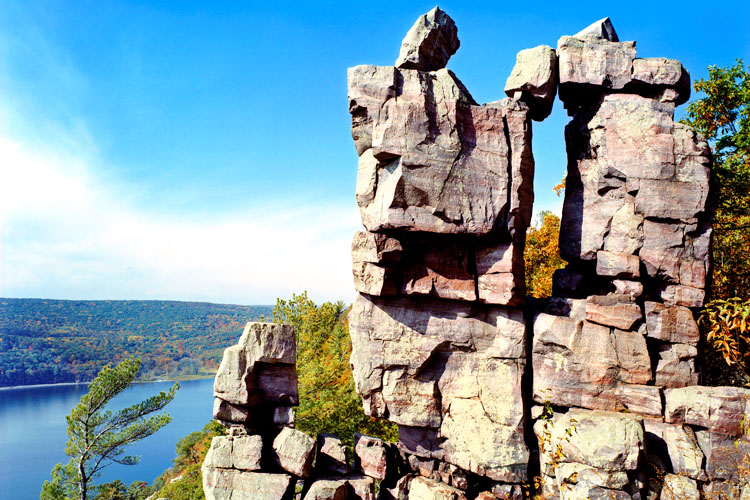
(186, 378)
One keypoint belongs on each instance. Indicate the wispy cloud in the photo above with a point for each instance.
(67, 233)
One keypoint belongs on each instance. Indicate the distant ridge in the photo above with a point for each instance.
(44, 341)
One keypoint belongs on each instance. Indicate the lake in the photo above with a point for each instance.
(33, 432)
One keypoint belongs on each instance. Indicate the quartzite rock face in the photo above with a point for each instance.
(535, 77)
(450, 367)
(432, 160)
(429, 43)
(438, 333)
(258, 370)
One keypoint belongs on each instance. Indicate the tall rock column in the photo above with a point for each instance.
(444, 189)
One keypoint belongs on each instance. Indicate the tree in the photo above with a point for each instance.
(542, 255)
(97, 437)
(328, 399)
(722, 116)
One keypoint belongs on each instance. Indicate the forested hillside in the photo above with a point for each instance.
(47, 341)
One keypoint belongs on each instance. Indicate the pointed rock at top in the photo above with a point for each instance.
(429, 43)
(600, 29)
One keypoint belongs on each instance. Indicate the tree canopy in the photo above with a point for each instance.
(328, 400)
(722, 116)
(97, 437)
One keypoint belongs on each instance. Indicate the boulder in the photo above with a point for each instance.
(725, 455)
(422, 488)
(429, 43)
(328, 489)
(535, 77)
(678, 487)
(246, 452)
(258, 370)
(294, 451)
(677, 446)
(602, 29)
(331, 455)
(230, 484)
(719, 409)
(433, 161)
(621, 315)
(269, 343)
(371, 456)
(676, 366)
(579, 363)
(673, 324)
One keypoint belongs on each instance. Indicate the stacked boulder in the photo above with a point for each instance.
(445, 192)
(262, 456)
(592, 389)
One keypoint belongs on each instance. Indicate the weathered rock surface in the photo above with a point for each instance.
(535, 77)
(439, 338)
(719, 409)
(407, 369)
(230, 484)
(258, 370)
(678, 446)
(431, 160)
(371, 456)
(331, 455)
(294, 451)
(678, 487)
(328, 489)
(429, 43)
(408, 265)
(599, 29)
(587, 453)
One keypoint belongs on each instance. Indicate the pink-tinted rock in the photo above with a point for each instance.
(662, 72)
(599, 29)
(676, 366)
(246, 452)
(228, 412)
(725, 455)
(720, 409)
(328, 489)
(682, 452)
(617, 265)
(673, 324)
(371, 456)
(294, 451)
(331, 455)
(622, 315)
(461, 169)
(223, 484)
(429, 43)
(535, 77)
(595, 62)
(578, 363)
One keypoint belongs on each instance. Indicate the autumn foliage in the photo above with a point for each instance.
(542, 255)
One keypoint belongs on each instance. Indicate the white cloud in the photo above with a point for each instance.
(65, 233)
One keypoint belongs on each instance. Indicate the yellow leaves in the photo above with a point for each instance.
(542, 255)
(728, 325)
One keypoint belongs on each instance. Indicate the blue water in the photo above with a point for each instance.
(33, 432)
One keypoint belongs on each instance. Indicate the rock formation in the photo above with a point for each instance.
(585, 394)
(443, 343)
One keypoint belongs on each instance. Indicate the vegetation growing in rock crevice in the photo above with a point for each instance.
(542, 255)
(328, 400)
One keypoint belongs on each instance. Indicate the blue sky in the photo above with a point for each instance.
(201, 150)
